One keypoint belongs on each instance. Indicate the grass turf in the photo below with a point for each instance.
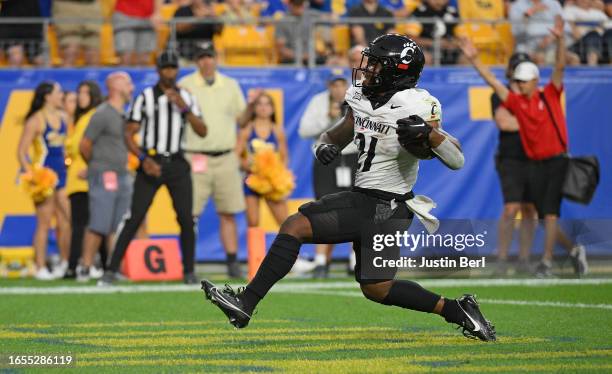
(328, 330)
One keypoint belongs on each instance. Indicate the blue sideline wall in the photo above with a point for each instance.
(471, 193)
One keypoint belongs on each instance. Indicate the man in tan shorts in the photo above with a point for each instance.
(214, 164)
(85, 35)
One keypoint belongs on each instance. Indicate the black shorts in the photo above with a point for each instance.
(546, 184)
(514, 179)
(324, 176)
(356, 216)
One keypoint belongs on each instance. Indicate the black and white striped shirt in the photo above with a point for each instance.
(161, 122)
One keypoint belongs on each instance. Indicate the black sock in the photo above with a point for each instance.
(451, 311)
(277, 263)
(411, 295)
(230, 258)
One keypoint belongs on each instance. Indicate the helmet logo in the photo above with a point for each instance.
(407, 52)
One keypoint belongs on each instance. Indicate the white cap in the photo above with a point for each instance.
(526, 71)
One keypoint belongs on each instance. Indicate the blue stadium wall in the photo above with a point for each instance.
(471, 193)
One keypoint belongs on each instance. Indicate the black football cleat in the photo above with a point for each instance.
(474, 325)
(227, 300)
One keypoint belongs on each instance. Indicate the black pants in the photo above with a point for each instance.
(79, 216)
(176, 176)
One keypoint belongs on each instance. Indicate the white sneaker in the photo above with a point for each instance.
(82, 274)
(43, 274)
(579, 260)
(303, 266)
(60, 270)
(95, 272)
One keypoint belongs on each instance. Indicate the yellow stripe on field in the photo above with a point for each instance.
(88, 325)
(203, 339)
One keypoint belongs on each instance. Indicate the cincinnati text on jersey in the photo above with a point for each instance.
(366, 123)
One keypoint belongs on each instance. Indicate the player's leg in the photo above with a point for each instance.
(378, 284)
(329, 220)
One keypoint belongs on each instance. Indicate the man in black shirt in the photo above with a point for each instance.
(190, 34)
(365, 33)
(447, 16)
(512, 167)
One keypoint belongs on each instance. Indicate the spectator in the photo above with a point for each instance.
(544, 138)
(104, 150)
(215, 169)
(190, 34)
(69, 105)
(45, 131)
(238, 11)
(134, 24)
(512, 167)
(367, 32)
(446, 17)
(82, 36)
(323, 111)
(354, 55)
(161, 109)
(397, 7)
(289, 34)
(273, 8)
(89, 96)
(608, 33)
(21, 42)
(263, 125)
(531, 20)
(587, 24)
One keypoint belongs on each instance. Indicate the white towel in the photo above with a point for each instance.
(420, 205)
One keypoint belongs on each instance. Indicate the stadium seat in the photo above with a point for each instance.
(163, 33)
(341, 37)
(487, 39)
(53, 44)
(412, 29)
(107, 45)
(411, 5)
(481, 9)
(108, 8)
(246, 45)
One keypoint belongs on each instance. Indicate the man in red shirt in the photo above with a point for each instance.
(543, 134)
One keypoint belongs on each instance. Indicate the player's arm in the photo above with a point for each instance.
(471, 53)
(332, 141)
(414, 130)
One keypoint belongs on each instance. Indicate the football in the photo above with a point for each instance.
(422, 151)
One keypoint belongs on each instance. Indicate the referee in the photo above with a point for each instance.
(159, 115)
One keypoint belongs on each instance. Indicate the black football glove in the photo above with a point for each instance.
(326, 153)
(413, 130)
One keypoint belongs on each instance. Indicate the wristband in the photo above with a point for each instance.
(185, 110)
(142, 156)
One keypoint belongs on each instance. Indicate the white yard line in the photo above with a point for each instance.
(289, 286)
(557, 304)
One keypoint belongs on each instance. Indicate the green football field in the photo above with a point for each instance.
(306, 326)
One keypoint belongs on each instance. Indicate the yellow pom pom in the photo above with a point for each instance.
(39, 183)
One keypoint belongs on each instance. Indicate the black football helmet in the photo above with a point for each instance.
(401, 62)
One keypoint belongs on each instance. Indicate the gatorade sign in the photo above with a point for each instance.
(153, 260)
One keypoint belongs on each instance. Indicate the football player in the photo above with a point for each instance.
(393, 124)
